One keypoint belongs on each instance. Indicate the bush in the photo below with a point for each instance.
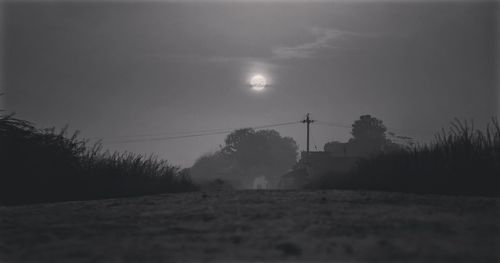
(45, 166)
(462, 160)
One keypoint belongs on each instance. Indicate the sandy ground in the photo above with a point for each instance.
(256, 226)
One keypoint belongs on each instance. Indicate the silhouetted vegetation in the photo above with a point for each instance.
(462, 160)
(248, 154)
(45, 165)
(369, 137)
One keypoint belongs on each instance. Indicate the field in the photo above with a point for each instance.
(253, 226)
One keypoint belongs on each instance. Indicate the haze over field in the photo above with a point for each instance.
(114, 69)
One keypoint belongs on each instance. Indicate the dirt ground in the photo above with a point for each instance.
(256, 226)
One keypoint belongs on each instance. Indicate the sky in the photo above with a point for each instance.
(114, 70)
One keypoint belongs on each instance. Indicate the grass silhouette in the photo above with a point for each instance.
(460, 160)
(46, 165)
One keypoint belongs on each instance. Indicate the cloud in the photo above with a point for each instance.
(323, 39)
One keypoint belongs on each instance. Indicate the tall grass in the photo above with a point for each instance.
(45, 165)
(460, 160)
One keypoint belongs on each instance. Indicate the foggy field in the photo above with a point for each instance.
(346, 226)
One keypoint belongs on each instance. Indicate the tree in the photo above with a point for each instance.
(368, 128)
(247, 154)
(369, 137)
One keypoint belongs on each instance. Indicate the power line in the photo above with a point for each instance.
(183, 133)
(164, 138)
(334, 124)
(164, 134)
(274, 125)
(207, 132)
(199, 134)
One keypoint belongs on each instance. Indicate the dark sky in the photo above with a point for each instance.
(116, 69)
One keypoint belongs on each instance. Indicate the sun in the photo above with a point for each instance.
(258, 82)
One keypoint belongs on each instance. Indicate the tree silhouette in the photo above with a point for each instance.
(247, 154)
(369, 137)
(368, 128)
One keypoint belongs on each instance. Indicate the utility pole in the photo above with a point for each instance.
(307, 121)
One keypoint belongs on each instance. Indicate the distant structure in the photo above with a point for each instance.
(350, 149)
(318, 163)
(338, 157)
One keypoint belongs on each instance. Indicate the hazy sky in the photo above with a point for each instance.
(118, 69)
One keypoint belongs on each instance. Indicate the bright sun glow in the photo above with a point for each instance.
(258, 82)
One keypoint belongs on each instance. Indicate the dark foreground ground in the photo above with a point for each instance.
(253, 226)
